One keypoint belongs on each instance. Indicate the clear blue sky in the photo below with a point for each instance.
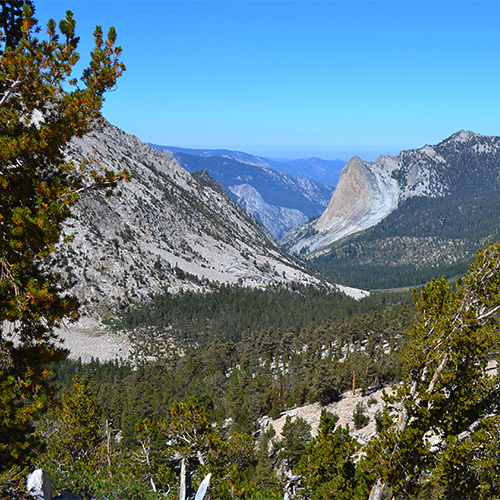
(292, 78)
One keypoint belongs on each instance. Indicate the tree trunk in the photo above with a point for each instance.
(182, 490)
(377, 491)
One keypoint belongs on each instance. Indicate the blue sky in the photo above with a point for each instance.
(293, 78)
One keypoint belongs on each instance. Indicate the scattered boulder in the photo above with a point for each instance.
(38, 485)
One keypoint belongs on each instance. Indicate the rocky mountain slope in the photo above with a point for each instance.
(416, 214)
(278, 200)
(168, 228)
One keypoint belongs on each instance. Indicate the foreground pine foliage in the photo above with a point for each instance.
(38, 118)
(442, 424)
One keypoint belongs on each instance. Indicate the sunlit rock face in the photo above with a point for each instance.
(365, 195)
(367, 192)
(275, 219)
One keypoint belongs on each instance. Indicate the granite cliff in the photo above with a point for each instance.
(422, 212)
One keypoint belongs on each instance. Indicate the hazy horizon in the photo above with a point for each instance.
(367, 153)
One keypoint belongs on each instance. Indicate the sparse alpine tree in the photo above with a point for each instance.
(328, 467)
(446, 410)
(42, 107)
(73, 437)
(296, 435)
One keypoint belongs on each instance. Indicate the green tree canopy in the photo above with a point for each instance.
(448, 399)
(42, 107)
(328, 467)
(73, 434)
(296, 435)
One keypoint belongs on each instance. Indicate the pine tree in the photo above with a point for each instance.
(448, 404)
(296, 435)
(73, 438)
(189, 433)
(328, 467)
(11, 20)
(38, 185)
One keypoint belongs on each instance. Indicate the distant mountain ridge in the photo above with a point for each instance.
(422, 211)
(278, 200)
(315, 169)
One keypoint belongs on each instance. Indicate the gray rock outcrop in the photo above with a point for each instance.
(367, 192)
(38, 485)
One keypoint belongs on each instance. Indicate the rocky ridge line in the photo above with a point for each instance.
(368, 192)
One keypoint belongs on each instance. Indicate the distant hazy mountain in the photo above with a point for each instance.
(278, 200)
(238, 155)
(319, 170)
(405, 218)
(316, 169)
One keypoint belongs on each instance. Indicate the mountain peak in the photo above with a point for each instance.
(354, 162)
(462, 166)
(462, 136)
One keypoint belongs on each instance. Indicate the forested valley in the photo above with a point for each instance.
(124, 430)
(230, 358)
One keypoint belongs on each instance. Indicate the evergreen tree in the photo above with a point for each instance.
(38, 185)
(189, 433)
(296, 435)
(359, 417)
(73, 437)
(81, 453)
(74, 434)
(447, 393)
(11, 20)
(328, 467)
